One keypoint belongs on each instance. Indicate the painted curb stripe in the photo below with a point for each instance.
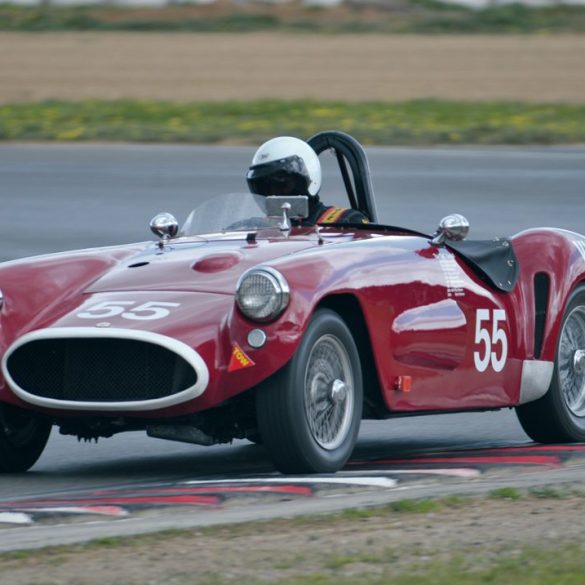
(451, 472)
(82, 502)
(15, 518)
(547, 460)
(367, 481)
(115, 511)
(538, 448)
(211, 489)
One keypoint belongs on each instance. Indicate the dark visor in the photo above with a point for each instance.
(285, 176)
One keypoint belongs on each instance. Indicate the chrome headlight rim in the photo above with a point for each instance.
(281, 290)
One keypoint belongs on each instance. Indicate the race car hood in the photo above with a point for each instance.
(196, 266)
(180, 299)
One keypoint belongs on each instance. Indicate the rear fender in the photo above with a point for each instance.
(552, 264)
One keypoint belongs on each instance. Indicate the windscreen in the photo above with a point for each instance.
(231, 212)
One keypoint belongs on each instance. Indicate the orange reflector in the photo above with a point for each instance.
(403, 383)
(239, 359)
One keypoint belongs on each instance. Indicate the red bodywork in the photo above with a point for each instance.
(416, 303)
(413, 305)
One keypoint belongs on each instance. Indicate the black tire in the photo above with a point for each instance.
(255, 438)
(23, 436)
(321, 384)
(559, 416)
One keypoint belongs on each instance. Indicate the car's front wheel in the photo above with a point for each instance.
(309, 412)
(559, 416)
(23, 436)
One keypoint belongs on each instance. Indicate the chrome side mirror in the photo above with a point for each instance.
(297, 206)
(165, 226)
(287, 207)
(454, 227)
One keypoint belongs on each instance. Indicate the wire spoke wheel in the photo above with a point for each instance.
(571, 361)
(559, 416)
(309, 412)
(329, 398)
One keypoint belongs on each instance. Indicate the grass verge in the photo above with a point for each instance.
(448, 541)
(418, 122)
(399, 16)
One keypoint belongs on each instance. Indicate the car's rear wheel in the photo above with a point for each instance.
(23, 436)
(559, 416)
(255, 438)
(309, 412)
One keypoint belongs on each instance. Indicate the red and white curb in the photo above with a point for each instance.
(381, 473)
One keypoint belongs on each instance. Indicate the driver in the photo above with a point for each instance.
(289, 166)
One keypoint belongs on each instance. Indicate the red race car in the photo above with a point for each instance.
(245, 324)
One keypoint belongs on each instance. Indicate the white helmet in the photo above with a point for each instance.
(285, 166)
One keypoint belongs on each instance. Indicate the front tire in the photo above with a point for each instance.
(23, 436)
(559, 416)
(310, 411)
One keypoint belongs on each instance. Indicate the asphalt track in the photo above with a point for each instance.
(63, 197)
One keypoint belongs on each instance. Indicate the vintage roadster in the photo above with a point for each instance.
(245, 324)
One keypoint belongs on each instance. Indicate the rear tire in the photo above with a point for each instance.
(309, 412)
(559, 416)
(23, 437)
(255, 438)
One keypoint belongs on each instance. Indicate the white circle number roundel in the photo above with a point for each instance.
(490, 340)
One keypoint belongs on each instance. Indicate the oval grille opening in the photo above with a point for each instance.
(99, 370)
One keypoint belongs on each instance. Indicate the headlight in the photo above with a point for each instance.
(262, 294)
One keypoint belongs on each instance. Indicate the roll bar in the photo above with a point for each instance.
(349, 152)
